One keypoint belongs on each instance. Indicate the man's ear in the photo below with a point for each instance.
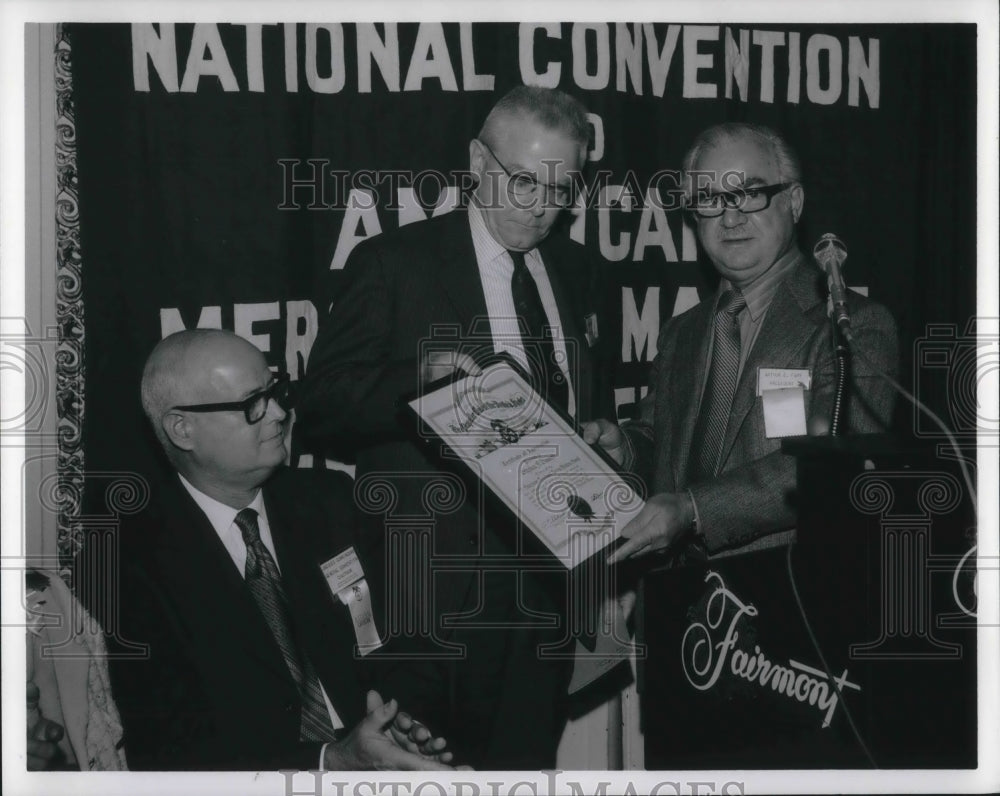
(179, 430)
(477, 157)
(798, 200)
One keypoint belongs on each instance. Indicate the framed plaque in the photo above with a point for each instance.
(530, 456)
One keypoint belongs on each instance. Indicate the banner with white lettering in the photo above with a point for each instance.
(226, 171)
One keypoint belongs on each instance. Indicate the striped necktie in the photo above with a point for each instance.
(717, 400)
(264, 581)
(548, 376)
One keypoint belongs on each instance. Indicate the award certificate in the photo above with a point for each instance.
(532, 459)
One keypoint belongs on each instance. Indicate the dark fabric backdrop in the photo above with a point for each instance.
(181, 191)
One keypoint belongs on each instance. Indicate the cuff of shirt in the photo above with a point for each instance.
(696, 526)
(695, 549)
(628, 452)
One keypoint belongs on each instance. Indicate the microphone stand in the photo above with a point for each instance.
(841, 353)
(829, 252)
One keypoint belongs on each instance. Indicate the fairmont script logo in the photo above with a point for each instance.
(707, 647)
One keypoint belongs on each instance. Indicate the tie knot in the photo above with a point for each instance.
(731, 302)
(518, 258)
(246, 521)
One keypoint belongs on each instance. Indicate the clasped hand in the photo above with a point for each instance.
(387, 739)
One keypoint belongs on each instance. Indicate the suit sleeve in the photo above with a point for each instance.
(753, 500)
(353, 382)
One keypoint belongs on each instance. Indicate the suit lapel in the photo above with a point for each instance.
(685, 384)
(458, 273)
(205, 583)
(785, 330)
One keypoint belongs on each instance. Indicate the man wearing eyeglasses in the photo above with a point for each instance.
(232, 651)
(418, 303)
(719, 481)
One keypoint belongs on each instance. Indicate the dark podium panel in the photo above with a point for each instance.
(881, 574)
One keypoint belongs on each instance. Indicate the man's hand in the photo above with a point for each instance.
(369, 747)
(414, 737)
(43, 736)
(664, 519)
(438, 364)
(607, 435)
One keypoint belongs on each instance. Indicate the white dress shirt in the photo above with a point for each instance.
(495, 271)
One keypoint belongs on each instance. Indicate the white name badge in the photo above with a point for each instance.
(342, 570)
(346, 580)
(783, 379)
(784, 413)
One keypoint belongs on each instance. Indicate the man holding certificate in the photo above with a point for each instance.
(750, 364)
(470, 603)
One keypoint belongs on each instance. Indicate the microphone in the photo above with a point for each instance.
(830, 253)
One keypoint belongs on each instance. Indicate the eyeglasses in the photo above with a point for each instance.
(746, 200)
(254, 407)
(522, 184)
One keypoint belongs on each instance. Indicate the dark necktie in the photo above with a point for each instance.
(265, 584)
(549, 378)
(717, 402)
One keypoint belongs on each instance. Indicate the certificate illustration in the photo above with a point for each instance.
(532, 459)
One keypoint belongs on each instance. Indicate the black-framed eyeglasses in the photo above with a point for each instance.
(522, 184)
(254, 407)
(746, 200)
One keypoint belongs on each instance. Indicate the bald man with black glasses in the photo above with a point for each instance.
(249, 650)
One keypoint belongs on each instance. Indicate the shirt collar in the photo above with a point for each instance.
(487, 247)
(219, 514)
(760, 293)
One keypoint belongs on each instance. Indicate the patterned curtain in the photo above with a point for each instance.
(69, 309)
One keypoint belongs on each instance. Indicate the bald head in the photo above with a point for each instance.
(198, 388)
(178, 367)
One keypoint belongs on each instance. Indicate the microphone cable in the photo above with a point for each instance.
(970, 486)
(921, 406)
(822, 659)
(958, 457)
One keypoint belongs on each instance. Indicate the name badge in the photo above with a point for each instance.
(783, 379)
(784, 413)
(346, 580)
(342, 570)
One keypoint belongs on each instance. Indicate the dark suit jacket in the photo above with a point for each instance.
(214, 691)
(747, 504)
(403, 289)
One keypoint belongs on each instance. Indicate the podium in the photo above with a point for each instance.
(853, 647)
